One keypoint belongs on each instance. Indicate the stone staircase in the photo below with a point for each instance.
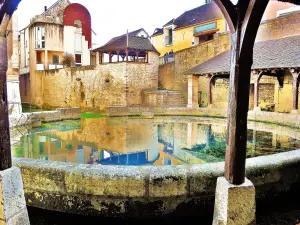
(175, 99)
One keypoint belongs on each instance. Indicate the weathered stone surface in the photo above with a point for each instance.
(203, 178)
(12, 201)
(96, 87)
(167, 181)
(118, 190)
(45, 116)
(105, 181)
(234, 204)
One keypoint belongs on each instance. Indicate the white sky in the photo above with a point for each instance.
(113, 17)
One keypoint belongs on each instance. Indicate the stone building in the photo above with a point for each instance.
(61, 28)
(193, 27)
(132, 69)
(274, 79)
(13, 91)
(173, 76)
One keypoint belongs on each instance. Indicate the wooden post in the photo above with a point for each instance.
(147, 57)
(137, 55)
(243, 20)
(110, 57)
(97, 58)
(126, 51)
(118, 56)
(5, 148)
(209, 97)
(295, 75)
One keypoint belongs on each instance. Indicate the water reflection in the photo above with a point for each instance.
(109, 141)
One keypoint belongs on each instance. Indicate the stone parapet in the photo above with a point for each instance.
(45, 116)
(125, 190)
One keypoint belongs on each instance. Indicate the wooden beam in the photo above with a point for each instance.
(126, 51)
(147, 57)
(5, 148)
(295, 75)
(247, 15)
(257, 77)
(209, 97)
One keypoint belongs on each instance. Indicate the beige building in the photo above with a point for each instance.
(45, 41)
(13, 91)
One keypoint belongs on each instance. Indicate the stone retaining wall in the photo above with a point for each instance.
(145, 191)
(45, 116)
(288, 119)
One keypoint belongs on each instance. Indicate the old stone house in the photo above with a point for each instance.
(13, 91)
(61, 28)
(193, 27)
(174, 76)
(132, 69)
(274, 78)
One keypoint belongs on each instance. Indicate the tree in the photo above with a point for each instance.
(68, 60)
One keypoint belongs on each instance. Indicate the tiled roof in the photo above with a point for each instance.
(198, 15)
(194, 16)
(169, 23)
(157, 31)
(279, 53)
(132, 33)
(134, 42)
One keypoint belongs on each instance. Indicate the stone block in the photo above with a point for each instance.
(168, 181)
(234, 204)
(105, 181)
(13, 209)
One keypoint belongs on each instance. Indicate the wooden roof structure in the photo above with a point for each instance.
(271, 54)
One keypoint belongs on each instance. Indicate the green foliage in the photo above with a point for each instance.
(216, 148)
(69, 147)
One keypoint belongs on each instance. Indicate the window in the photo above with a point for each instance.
(78, 60)
(39, 57)
(55, 59)
(78, 23)
(205, 38)
(39, 34)
(169, 37)
(78, 42)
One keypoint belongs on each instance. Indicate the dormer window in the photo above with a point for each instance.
(169, 36)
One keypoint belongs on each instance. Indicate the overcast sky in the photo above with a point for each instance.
(113, 17)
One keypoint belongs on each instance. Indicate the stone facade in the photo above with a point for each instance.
(272, 96)
(173, 77)
(13, 91)
(280, 27)
(96, 87)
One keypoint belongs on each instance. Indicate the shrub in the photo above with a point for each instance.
(68, 60)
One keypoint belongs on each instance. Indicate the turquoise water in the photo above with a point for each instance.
(119, 141)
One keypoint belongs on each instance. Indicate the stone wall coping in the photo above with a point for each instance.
(147, 181)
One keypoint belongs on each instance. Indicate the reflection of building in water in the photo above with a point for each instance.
(143, 142)
(98, 141)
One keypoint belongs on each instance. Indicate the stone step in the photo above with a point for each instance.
(175, 98)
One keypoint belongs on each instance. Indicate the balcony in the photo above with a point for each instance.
(55, 66)
(40, 67)
(168, 40)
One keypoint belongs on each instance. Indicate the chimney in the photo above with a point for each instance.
(45, 8)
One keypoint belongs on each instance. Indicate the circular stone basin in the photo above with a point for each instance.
(140, 142)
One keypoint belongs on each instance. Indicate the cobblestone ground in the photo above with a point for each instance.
(279, 210)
